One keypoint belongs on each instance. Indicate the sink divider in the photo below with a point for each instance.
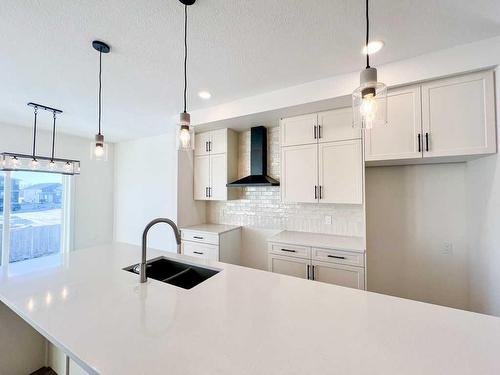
(177, 274)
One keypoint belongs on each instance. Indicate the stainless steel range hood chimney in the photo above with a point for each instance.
(258, 161)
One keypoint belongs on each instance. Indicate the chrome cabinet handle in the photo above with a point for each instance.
(336, 257)
(315, 192)
(308, 273)
(312, 273)
(427, 142)
(320, 191)
(206, 192)
(419, 143)
(206, 146)
(198, 252)
(319, 131)
(314, 132)
(198, 237)
(289, 251)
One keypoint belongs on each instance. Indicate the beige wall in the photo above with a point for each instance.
(413, 213)
(483, 212)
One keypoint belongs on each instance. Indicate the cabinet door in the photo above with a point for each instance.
(400, 138)
(341, 172)
(218, 141)
(288, 266)
(336, 125)
(200, 250)
(201, 143)
(299, 130)
(352, 277)
(201, 177)
(218, 177)
(459, 115)
(299, 173)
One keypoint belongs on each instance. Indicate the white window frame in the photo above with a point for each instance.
(67, 217)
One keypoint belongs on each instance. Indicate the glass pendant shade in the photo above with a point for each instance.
(369, 101)
(99, 149)
(19, 162)
(185, 134)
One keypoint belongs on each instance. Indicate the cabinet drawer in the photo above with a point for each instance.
(290, 250)
(200, 250)
(203, 237)
(338, 256)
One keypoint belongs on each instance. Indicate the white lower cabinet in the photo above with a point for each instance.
(213, 242)
(338, 274)
(200, 250)
(289, 266)
(329, 265)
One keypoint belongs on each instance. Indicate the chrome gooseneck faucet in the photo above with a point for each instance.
(177, 233)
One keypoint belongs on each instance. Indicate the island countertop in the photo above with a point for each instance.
(240, 321)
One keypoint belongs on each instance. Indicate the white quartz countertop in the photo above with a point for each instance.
(212, 228)
(240, 321)
(356, 244)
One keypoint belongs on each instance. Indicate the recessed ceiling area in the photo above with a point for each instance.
(236, 49)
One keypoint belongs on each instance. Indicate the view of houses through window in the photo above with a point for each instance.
(35, 214)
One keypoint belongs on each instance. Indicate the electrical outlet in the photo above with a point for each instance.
(328, 220)
(448, 248)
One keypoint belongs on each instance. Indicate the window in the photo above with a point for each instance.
(34, 215)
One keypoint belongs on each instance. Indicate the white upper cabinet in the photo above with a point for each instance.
(341, 172)
(326, 167)
(299, 130)
(215, 164)
(201, 142)
(459, 115)
(449, 119)
(336, 125)
(218, 141)
(400, 138)
(218, 175)
(201, 177)
(299, 173)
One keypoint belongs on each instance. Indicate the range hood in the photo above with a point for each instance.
(258, 161)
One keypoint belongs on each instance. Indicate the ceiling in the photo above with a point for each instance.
(237, 49)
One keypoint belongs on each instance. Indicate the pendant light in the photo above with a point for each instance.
(369, 100)
(185, 135)
(10, 161)
(99, 149)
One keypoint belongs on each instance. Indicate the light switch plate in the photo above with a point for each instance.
(328, 220)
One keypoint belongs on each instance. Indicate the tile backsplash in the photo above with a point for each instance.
(261, 206)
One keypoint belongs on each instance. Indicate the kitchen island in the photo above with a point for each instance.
(240, 321)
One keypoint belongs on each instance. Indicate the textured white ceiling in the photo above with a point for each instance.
(237, 48)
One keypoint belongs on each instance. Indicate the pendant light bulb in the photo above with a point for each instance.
(34, 164)
(52, 165)
(369, 100)
(99, 146)
(98, 149)
(185, 135)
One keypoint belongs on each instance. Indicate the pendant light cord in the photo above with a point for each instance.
(185, 54)
(367, 36)
(34, 133)
(100, 81)
(53, 136)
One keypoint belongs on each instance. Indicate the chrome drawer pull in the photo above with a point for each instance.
(198, 237)
(289, 251)
(198, 252)
(336, 257)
